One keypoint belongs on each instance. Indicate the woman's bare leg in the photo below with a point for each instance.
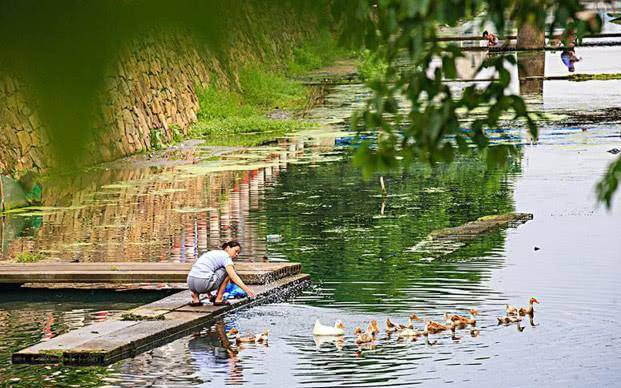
(195, 297)
(220, 293)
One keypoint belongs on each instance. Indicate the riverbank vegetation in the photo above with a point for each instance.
(266, 101)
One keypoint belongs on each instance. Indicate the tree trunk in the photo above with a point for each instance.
(531, 64)
(531, 37)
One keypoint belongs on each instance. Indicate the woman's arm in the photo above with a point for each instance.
(230, 270)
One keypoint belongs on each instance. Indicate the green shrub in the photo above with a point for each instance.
(177, 134)
(155, 138)
(28, 257)
(370, 66)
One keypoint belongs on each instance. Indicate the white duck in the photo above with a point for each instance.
(337, 329)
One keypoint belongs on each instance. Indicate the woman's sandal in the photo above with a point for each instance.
(196, 304)
(223, 303)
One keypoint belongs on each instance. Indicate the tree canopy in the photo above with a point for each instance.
(415, 113)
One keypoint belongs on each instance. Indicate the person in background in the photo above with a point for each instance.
(492, 40)
(568, 57)
(212, 271)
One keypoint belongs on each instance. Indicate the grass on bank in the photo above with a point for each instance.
(322, 51)
(371, 66)
(225, 114)
(28, 257)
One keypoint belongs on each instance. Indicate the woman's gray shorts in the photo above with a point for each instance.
(202, 286)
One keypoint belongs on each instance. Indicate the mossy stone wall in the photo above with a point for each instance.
(151, 87)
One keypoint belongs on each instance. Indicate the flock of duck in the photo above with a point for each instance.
(407, 331)
(452, 322)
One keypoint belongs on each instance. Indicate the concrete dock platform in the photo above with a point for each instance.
(132, 272)
(154, 324)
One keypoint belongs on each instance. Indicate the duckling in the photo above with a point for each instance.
(511, 310)
(338, 329)
(507, 320)
(245, 340)
(262, 338)
(338, 341)
(411, 333)
(390, 326)
(528, 310)
(460, 321)
(457, 324)
(410, 324)
(363, 338)
(474, 332)
(435, 327)
(373, 328)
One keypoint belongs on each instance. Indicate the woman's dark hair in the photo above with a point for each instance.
(485, 33)
(231, 244)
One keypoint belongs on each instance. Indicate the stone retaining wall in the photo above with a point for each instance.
(152, 87)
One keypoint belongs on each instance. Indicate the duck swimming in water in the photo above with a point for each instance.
(435, 327)
(245, 340)
(262, 338)
(373, 328)
(511, 310)
(337, 329)
(251, 339)
(412, 333)
(530, 309)
(460, 321)
(390, 326)
(364, 338)
(410, 324)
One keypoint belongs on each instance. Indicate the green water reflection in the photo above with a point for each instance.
(332, 223)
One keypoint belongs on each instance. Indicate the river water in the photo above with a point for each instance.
(355, 246)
